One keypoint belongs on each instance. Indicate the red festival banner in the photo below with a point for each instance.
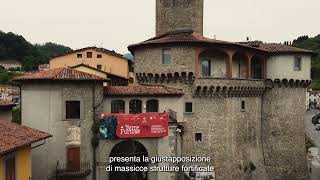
(148, 125)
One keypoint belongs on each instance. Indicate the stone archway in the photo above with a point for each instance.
(128, 148)
(213, 63)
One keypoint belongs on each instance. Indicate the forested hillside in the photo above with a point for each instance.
(311, 43)
(15, 47)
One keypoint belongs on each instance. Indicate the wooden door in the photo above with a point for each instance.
(10, 169)
(73, 158)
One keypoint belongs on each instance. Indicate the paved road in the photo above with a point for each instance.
(315, 136)
(310, 128)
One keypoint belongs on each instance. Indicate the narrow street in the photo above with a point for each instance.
(310, 128)
(315, 136)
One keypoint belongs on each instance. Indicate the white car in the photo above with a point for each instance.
(318, 127)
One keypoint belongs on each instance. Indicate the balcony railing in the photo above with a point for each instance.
(73, 170)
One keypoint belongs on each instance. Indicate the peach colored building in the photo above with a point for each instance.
(99, 58)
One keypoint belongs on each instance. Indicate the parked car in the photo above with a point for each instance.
(315, 119)
(318, 127)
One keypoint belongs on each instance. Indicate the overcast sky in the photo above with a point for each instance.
(114, 24)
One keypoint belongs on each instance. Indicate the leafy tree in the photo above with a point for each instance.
(2, 69)
(15, 47)
(16, 115)
(6, 77)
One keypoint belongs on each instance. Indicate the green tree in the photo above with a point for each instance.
(16, 115)
(15, 47)
(2, 69)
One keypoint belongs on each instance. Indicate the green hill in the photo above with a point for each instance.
(15, 47)
(311, 43)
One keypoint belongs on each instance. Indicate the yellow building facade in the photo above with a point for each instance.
(99, 58)
(89, 70)
(22, 159)
(15, 150)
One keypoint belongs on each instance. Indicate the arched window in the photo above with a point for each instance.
(135, 106)
(118, 106)
(153, 105)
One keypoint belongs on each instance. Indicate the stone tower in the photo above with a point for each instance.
(283, 129)
(173, 15)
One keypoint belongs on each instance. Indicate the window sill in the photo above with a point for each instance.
(188, 113)
(71, 119)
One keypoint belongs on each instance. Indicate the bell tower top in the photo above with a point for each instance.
(173, 15)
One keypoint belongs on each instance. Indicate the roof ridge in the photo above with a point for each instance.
(99, 49)
(65, 73)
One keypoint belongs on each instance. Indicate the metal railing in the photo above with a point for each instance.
(67, 169)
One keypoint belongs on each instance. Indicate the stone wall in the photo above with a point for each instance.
(284, 133)
(149, 60)
(172, 15)
(231, 136)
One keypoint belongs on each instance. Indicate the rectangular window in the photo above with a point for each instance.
(99, 55)
(198, 137)
(297, 63)
(73, 158)
(72, 109)
(99, 66)
(166, 56)
(243, 105)
(79, 55)
(206, 68)
(188, 107)
(10, 168)
(89, 54)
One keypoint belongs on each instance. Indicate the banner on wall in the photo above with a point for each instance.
(151, 125)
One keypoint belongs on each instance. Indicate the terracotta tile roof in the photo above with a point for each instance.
(275, 47)
(87, 66)
(184, 36)
(142, 90)
(188, 36)
(102, 50)
(59, 74)
(13, 136)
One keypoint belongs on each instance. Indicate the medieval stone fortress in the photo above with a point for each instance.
(241, 104)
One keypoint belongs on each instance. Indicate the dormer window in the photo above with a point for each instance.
(297, 63)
